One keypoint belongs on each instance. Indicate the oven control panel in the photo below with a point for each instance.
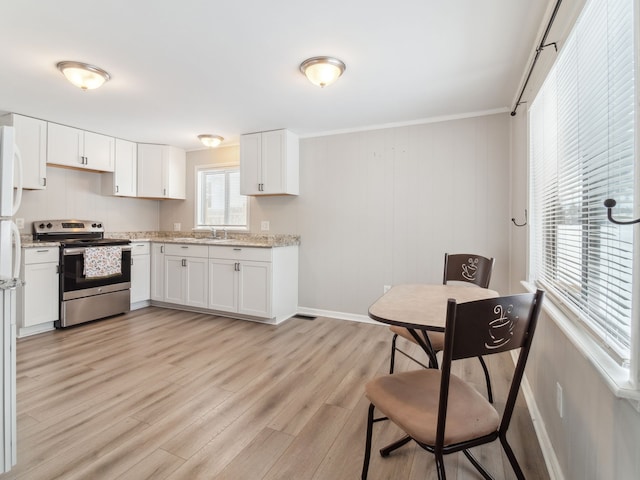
(67, 226)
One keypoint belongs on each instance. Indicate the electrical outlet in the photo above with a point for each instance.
(559, 400)
(386, 288)
(176, 227)
(265, 225)
(20, 223)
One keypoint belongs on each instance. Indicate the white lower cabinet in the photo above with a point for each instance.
(254, 288)
(240, 287)
(223, 285)
(140, 272)
(157, 272)
(257, 282)
(245, 282)
(186, 275)
(240, 280)
(38, 300)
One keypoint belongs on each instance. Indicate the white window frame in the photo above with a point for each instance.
(623, 380)
(198, 196)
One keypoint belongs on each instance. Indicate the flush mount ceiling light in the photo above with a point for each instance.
(83, 75)
(210, 141)
(322, 71)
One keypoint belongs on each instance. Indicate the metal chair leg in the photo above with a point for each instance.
(512, 457)
(394, 446)
(477, 465)
(442, 475)
(487, 378)
(393, 352)
(367, 451)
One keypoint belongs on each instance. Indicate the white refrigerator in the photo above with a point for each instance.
(10, 196)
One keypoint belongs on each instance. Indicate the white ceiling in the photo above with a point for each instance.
(185, 67)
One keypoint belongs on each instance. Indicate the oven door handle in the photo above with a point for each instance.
(76, 251)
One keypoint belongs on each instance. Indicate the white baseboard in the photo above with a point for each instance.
(141, 304)
(35, 329)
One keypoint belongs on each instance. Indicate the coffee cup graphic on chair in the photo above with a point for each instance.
(500, 329)
(470, 269)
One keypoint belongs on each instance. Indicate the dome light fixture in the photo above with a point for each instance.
(322, 71)
(83, 75)
(211, 141)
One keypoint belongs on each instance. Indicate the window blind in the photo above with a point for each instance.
(582, 151)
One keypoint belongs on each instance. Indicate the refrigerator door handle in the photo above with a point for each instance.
(17, 199)
(17, 250)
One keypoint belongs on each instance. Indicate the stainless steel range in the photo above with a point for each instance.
(95, 272)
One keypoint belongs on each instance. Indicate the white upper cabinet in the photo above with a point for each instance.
(176, 173)
(269, 163)
(161, 171)
(31, 138)
(123, 181)
(72, 147)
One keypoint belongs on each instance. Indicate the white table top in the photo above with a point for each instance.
(423, 306)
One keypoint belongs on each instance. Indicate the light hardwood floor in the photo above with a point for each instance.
(164, 394)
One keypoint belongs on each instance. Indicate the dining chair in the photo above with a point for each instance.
(461, 267)
(441, 412)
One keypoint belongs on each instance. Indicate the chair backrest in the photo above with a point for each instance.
(468, 267)
(486, 327)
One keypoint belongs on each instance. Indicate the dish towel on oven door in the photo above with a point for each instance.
(102, 262)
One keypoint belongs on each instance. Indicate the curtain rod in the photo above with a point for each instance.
(538, 50)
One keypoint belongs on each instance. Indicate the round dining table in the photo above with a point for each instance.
(422, 307)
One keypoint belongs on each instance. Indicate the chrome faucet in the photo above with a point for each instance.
(213, 232)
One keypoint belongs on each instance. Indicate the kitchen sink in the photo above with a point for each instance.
(204, 239)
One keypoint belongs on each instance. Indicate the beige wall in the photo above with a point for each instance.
(382, 207)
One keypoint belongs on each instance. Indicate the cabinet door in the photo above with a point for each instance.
(65, 146)
(254, 289)
(140, 278)
(174, 279)
(250, 157)
(175, 161)
(272, 164)
(99, 152)
(126, 168)
(40, 294)
(196, 279)
(223, 285)
(157, 272)
(150, 171)
(31, 138)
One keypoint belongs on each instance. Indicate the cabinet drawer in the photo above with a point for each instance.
(140, 248)
(184, 250)
(241, 253)
(41, 255)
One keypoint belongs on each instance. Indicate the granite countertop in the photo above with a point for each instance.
(199, 238)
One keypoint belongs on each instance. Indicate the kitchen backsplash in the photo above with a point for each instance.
(77, 194)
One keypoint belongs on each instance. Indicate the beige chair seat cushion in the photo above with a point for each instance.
(436, 338)
(410, 400)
